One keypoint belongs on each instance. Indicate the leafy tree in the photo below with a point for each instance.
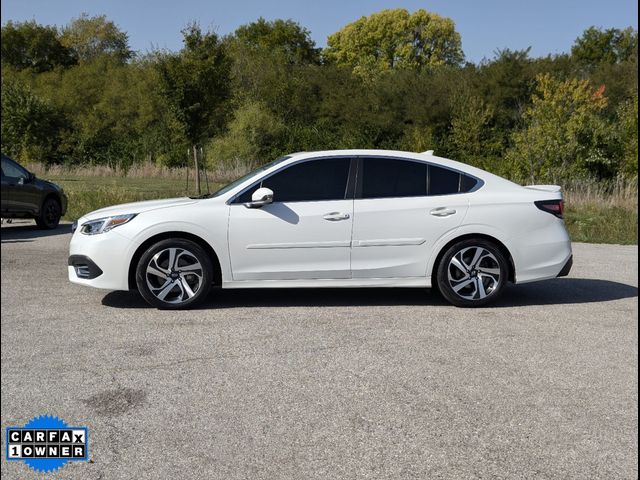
(28, 45)
(611, 46)
(90, 37)
(395, 39)
(195, 83)
(418, 139)
(30, 126)
(113, 113)
(506, 84)
(282, 37)
(561, 130)
(627, 133)
(252, 138)
(621, 80)
(470, 135)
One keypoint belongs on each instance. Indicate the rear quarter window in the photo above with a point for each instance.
(443, 181)
(467, 183)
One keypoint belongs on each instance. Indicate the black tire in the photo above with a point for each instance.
(50, 214)
(465, 284)
(174, 290)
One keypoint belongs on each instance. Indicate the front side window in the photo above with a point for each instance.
(11, 169)
(314, 180)
(388, 177)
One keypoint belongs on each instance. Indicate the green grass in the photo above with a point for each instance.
(602, 224)
(612, 220)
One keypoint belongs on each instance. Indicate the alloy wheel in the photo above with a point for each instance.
(174, 275)
(473, 273)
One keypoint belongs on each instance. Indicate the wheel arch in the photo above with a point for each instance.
(49, 195)
(468, 236)
(217, 270)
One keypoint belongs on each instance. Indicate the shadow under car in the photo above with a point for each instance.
(549, 292)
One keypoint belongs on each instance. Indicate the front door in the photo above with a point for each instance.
(304, 234)
(19, 194)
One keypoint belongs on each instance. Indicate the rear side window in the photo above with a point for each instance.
(385, 177)
(443, 181)
(314, 180)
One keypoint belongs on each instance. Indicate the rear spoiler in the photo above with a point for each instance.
(545, 188)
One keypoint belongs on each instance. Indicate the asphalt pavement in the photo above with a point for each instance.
(318, 384)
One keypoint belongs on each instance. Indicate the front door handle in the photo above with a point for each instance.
(336, 216)
(442, 212)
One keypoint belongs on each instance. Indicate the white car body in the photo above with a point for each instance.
(352, 242)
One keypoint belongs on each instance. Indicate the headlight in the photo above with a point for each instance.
(102, 225)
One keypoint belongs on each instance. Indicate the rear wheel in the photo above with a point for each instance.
(472, 273)
(50, 213)
(174, 274)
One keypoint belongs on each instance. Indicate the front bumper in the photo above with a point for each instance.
(84, 267)
(103, 260)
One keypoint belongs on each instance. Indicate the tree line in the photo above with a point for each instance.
(393, 80)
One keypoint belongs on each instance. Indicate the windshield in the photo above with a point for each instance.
(237, 182)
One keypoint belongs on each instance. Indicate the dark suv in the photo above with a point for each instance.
(25, 196)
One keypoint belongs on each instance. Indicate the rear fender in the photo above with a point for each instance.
(465, 230)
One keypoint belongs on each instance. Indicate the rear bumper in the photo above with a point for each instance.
(542, 253)
(567, 267)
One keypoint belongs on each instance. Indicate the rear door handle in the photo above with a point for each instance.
(336, 216)
(442, 212)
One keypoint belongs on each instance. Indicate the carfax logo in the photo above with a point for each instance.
(47, 443)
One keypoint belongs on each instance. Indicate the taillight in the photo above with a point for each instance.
(554, 207)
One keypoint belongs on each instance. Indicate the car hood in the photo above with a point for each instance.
(138, 207)
(42, 183)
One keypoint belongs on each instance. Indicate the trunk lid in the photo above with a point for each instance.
(545, 188)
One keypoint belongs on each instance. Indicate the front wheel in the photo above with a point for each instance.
(174, 274)
(50, 213)
(472, 273)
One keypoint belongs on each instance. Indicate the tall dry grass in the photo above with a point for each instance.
(620, 193)
(142, 170)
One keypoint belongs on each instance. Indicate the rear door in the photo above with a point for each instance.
(305, 233)
(402, 208)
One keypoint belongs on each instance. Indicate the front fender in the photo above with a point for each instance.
(215, 239)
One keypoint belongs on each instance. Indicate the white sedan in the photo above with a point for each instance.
(344, 218)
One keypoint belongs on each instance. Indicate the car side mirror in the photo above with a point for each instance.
(28, 179)
(260, 198)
